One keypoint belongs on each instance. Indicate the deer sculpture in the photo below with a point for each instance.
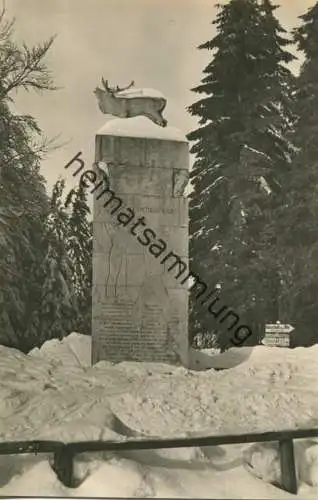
(118, 102)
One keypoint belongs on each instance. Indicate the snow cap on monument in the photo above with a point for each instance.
(142, 127)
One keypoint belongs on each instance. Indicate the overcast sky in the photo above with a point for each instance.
(153, 42)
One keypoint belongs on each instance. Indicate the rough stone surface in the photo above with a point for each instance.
(140, 307)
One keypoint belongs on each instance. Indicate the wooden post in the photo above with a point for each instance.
(63, 466)
(287, 463)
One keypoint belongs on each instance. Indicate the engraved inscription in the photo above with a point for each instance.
(153, 210)
(131, 329)
(152, 319)
(149, 181)
(115, 316)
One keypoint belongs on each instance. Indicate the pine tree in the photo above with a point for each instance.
(299, 222)
(56, 308)
(23, 200)
(247, 106)
(79, 247)
(64, 275)
(45, 246)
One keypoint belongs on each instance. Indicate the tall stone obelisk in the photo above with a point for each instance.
(140, 308)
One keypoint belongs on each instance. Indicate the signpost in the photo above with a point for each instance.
(278, 328)
(277, 334)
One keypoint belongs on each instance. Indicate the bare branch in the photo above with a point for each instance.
(22, 67)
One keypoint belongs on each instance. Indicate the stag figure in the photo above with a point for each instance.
(119, 102)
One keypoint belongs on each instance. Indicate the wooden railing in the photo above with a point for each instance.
(64, 453)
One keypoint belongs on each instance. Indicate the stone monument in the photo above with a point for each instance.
(140, 234)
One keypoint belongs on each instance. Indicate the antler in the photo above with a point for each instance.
(118, 89)
(105, 85)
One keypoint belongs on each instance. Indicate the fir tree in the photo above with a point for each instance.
(23, 200)
(246, 107)
(79, 247)
(299, 222)
(57, 308)
(45, 246)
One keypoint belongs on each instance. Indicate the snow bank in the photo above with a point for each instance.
(54, 393)
(263, 461)
(73, 350)
(141, 127)
(278, 382)
(210, 358)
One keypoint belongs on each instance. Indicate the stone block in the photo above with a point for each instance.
(140, 306)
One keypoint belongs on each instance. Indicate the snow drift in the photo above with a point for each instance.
(54, 393)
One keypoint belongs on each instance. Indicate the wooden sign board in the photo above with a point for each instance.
(276, 340)
(278, 328)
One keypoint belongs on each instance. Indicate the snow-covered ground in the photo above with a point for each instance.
(54, 393)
